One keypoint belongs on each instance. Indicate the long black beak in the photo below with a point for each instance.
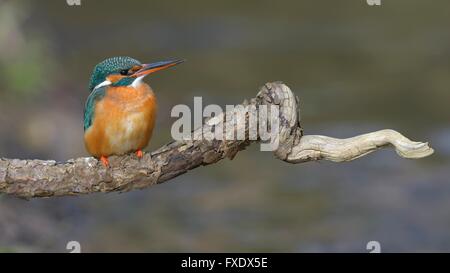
(153, 67)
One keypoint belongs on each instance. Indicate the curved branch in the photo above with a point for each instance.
(39, 178)
(315, 147)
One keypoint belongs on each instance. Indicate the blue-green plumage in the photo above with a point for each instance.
(89, 107)
(124, 82)
(119, 66)
(107, 67)
(110, 66)
(124, 119)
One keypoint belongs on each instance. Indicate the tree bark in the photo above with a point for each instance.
(39, 178)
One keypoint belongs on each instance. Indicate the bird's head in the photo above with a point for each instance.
(125, 71)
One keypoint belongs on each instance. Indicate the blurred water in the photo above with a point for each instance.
(356, 69)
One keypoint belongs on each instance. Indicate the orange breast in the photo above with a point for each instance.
(123, 121)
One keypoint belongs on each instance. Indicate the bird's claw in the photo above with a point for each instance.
(139, 154)
(104, 161)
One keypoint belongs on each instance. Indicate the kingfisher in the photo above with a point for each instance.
(120, 112)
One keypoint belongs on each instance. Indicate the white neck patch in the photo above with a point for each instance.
(134, 84)
(137, 82)
(105, 83)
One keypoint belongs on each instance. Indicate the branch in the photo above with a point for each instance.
(38, 178)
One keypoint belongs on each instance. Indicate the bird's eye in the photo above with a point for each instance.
(124, 72)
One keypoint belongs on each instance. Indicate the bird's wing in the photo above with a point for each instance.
(89, 107)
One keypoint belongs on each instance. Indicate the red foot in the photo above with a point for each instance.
(139, 153)
(104, 161)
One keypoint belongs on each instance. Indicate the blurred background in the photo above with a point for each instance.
(356, 68)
